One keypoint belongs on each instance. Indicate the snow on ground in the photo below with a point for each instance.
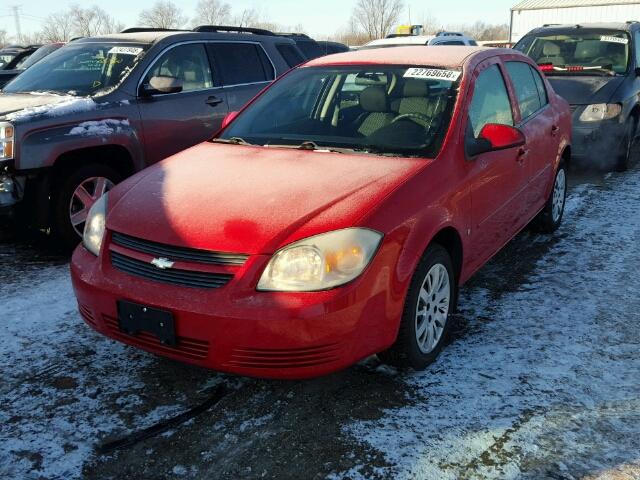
(548, 386)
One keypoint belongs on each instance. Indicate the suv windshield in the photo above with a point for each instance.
(80, 69)
(579, 51)
(376, 109)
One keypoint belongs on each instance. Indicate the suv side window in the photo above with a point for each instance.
(525, 87)
(290, 54)
(490, 103)
(188, 63)
(241, 63)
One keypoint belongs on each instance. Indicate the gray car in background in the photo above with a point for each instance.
(100, 109)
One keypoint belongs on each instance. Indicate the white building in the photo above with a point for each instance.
(530, 14)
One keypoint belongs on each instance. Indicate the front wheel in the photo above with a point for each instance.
(426, 320)
(624, 158)
(550, 218)
(76, 193)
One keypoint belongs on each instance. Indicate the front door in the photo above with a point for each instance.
(173, 122)
(498, 179)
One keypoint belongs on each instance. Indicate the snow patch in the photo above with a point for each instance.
(99, 127)
(66, 107)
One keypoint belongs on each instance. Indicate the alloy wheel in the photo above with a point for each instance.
(83, 198)
(432, 309)
(559, 194)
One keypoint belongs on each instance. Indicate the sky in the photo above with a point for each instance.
(319, 18)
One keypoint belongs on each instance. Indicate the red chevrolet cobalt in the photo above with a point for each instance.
(334, 218)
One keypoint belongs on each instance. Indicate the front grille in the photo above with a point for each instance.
(87, 315)
(183, 278)
(177, 253)
(189, 348)
(284, 358)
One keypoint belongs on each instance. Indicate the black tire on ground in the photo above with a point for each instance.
(66, 183)
(545, 221)
(623, 161)
(405, 352)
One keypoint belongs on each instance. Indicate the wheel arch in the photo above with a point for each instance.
(116, 156)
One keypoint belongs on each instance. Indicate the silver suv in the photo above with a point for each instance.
(100, 109)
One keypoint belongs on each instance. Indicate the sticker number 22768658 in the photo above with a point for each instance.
(432, 74)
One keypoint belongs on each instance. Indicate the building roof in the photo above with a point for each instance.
(433, 56)
(545, 4)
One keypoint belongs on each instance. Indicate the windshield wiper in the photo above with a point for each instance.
(232, 141)
(310, 145)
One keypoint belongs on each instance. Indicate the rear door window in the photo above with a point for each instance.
(490, 103)
(290, 54)
(526, 88)
(241, 63)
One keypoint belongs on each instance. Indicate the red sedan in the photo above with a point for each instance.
(334, 218)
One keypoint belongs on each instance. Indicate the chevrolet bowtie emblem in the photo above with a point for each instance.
(162, 263)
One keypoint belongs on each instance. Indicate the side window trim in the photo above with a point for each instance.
(523, 121)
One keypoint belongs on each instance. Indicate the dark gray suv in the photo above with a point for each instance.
(100, 109)
(596, 68)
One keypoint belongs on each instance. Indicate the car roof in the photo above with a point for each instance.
(625, 26)
(433, 56)
(150, 37)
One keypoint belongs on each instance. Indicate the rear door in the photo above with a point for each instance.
(244, 68)
(176, 121)
(498, 179)
(538, 121)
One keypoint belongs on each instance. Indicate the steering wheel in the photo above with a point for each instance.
(415, 117)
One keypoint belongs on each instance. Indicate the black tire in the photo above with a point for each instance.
(623, 161)
(545, 222)
(66, 184)
(405, 352)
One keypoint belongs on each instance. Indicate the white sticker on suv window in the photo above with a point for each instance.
(125, 50)
(432, 74)
(611, 39)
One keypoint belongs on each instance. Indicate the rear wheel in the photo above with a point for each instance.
(550, 218)
(425, 323)
(76, 193)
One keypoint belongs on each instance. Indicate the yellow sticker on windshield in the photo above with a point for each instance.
(432, 74)
(611, 39)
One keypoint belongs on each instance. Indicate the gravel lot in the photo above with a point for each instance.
(541, 381)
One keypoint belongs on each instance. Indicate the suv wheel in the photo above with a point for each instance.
(426, 321)
(624, 158)
(77, 191)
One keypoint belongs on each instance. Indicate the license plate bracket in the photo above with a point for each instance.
(134, 318)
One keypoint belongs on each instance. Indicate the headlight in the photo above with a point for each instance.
(7, 134)
(321, 262)
(94, 226)
(600, 111)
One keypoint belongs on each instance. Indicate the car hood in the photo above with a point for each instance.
(14, 102)
(585, 90)
(252, 200)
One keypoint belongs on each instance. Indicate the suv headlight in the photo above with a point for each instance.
(600, 111)
(321, 262)
(7, 138)
(95, 225)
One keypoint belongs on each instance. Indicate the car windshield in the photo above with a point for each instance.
(5, 59)
(403, 111)
(579, 52)
(38, 55)
(80, 69)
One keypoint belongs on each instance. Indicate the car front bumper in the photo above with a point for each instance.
(11, 192)
(597, 144)
(239, 330)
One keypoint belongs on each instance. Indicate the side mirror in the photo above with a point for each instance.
(495, 137)
(228, 119)
(161, 85)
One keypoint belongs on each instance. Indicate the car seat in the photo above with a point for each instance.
(551, 53)
(375, 103)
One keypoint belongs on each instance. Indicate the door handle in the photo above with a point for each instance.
(522, 153)
(213, 101)
(554, 130)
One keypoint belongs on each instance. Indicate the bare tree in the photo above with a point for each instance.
(3, 38)
(163, 14)
(57, 27)
(377, 17)
(91, 21)
(249, 17)
(212, 12)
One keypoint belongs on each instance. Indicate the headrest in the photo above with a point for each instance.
(550, 49)
(589, 49)
(374, 99)
(414, 87)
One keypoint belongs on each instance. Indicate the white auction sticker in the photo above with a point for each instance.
(611, 39)
(432, 74)
(125, 50)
